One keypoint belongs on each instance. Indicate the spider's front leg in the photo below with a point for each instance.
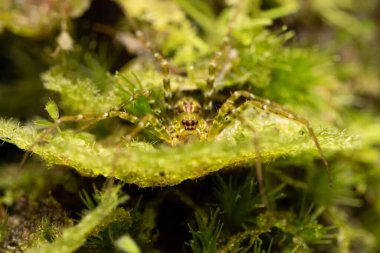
(264, 104)
(228, 111)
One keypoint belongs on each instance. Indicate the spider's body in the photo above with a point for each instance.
(188, 124)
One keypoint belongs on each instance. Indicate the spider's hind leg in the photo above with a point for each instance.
(226, 113)
(264, 104)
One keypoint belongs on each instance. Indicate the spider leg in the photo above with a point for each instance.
(229, 107)
(210, 90)
(165, 70)
(149, 122)
(226, 54)
(228, 111)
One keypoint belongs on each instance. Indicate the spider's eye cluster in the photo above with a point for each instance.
(190, 124)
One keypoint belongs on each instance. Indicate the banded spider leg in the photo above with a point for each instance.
(219, 122)
(165, 70)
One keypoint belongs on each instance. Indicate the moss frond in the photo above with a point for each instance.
(145, 165)
(205, 237)
(237, 202)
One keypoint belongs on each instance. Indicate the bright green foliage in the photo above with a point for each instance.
(72, 238)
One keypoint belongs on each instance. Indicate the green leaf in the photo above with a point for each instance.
(52, 108)
(127, 244)
(43, 122)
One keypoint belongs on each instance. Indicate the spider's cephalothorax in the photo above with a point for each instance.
(188, 124)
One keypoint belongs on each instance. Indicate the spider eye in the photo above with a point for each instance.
(148, 125)
(227, 118)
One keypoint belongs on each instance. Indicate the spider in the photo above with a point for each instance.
(187, 119)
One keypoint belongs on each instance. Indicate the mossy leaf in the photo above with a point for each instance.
(145, 165)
